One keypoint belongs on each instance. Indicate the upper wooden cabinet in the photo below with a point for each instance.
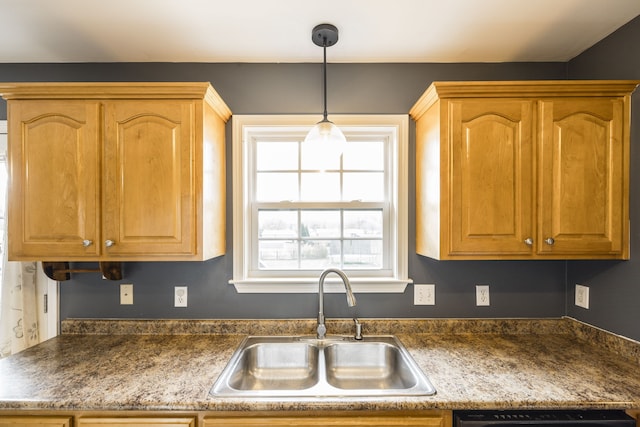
(523, 170)
(116, 171)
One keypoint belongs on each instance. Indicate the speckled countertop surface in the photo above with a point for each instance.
(473, 364)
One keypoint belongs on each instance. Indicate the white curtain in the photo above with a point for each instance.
(18, 310)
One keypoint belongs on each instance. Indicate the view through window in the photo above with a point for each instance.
(327, 216)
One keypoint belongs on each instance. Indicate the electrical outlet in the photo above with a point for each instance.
(424, 294)
(180, 296)
(126, 294)
(482, 295)
(582, 296)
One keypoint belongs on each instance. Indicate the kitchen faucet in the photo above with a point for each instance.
(351, 299)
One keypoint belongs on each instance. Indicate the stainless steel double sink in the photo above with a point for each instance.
(306, 367)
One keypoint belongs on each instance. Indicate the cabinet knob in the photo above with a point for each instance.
(528, 241)
(549, 241)
(86, 243)
(109, 243)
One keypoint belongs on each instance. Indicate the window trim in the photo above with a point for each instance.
(396, 282)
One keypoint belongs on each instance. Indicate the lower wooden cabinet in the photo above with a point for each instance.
(136, 422)
(427, 418)
(635, 413)
(317, 419)
(35, 421)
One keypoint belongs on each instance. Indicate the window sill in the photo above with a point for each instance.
(310, 285)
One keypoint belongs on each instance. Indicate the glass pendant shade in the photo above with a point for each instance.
(326, 143)
(325, 132)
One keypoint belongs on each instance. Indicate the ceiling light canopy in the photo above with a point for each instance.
(326, 138)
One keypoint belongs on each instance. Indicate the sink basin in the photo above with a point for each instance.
(308, 368)
(276, 366)
(368, 365)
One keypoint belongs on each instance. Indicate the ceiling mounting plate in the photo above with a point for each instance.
(324, 35)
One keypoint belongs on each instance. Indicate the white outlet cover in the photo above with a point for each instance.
(180, 296)
(582, 296)
(482, 295)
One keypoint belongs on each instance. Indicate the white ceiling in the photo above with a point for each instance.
(280, 30)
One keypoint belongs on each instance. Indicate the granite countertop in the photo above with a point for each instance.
(473, 364)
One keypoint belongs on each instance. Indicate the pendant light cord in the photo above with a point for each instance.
(324, 73)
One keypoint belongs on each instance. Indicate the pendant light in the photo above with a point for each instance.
(326, 138)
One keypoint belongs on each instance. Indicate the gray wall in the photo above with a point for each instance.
(518, 289)
(614, 287)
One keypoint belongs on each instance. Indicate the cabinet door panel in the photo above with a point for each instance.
(136, 422)
(149, 198)
(323, 421)
(54, 192)
(492, 176)
(35, 421)
(582, 177)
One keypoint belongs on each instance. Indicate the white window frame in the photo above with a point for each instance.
(245, 127)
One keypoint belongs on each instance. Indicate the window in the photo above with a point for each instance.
(294, 218)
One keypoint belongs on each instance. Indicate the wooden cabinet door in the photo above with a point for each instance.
(54, 196)
(583, 177)
(136, 422)
(34, 421)
(492, 177)
(320, 419)
(149, 178)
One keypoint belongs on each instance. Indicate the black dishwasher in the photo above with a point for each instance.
(573, 418)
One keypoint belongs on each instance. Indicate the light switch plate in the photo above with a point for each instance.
(424, 294)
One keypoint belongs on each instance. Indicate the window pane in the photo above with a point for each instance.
(362, 254)
(320, 187)
(277, 156)
(363, 186)
(277, 224)
(320, 254)
(318, 245)
(363, 224)
(278, 254)
(316, 157)
(278, 244)
(276, 186)
(364, 156)
(324, 223)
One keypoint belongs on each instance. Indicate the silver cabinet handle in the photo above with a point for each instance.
(528, 241)
(86, 243)
(549, 241)
(109, 243)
